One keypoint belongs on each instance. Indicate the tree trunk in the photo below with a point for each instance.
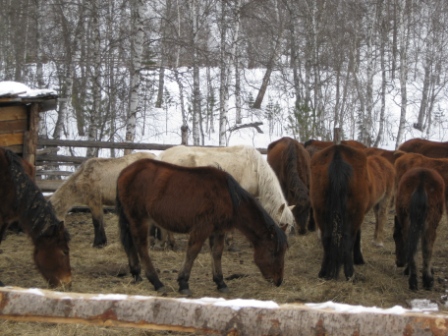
(137, 40)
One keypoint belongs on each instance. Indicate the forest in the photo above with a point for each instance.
(120, 67)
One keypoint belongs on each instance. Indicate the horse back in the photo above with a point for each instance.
(434, 149)
(313, 146)
(389, 155)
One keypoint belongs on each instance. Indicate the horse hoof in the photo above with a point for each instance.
(162, 291)
(224, 289)
(2, 284)
(185, 292)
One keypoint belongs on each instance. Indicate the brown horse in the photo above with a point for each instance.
(434, 149)
(291, 163)
(313, 146)
(419, 207)
(389, 155)
(345, 185)
(204, 202)
(406, 161)
(22, 201)
(93, 184)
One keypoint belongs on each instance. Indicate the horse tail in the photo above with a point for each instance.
(418, 210)
(123, 224)
(339, 173)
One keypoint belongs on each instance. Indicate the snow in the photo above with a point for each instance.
(16, 89)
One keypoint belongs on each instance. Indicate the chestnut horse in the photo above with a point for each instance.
(345, 185)
(313, 146)
(419, 207)
(204, 202)
(291, 163)
(22, 201)
(93, 184)
(434, 149)
(406, 161)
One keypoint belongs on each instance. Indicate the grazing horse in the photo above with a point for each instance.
(204, 202)
(419, 207)
(93, 184)
(313, 146)
(406, 161)
(22, 201)
(345, 185)
(434, 149)
(247, 166)
(291, 163)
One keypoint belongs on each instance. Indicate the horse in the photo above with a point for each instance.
(313, 146)
(291, 163)
(406, 161)
(23, 201)
(389, 155)
(204, 202)
(93, 184)
(434, 149)
(419, 208)
(345, 185)
(247, 166)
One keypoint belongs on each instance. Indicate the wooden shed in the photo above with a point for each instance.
(20, 109)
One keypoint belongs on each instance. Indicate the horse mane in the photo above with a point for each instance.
(270, 191)
(238, 194)
(293, 181)
(308, 142)
(30, 204)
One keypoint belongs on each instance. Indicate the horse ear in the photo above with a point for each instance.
(280, 211)
(291, 207)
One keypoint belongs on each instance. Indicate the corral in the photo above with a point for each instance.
(378, 283)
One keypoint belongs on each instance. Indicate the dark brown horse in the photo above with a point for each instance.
(345, 185)
(434, 149)
(419, 207)
(406, 161)
(204, 202)
(22, 201)
(291, 163)
(313, 146)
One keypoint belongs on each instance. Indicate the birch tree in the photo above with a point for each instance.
(137, 39)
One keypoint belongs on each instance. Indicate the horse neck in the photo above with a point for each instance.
(251, 222)
(270, 192)
(62, 200)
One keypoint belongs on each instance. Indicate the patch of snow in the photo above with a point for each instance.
(16, 89)
(235, 304)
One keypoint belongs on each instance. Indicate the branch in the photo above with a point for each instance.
(254, 125)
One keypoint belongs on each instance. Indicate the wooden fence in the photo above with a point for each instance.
(49, 176)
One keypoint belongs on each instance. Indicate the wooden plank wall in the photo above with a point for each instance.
(13, 124)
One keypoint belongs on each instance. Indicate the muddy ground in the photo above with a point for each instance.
(377, 283)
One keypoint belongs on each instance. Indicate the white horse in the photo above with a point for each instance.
(93, 184)
(247, 166)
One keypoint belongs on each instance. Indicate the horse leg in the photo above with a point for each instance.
(195, 243)
(326, 242)
(216, 242)
(311, 222)
(140, 236)
(412, 268)
(427, 247)
(100, 239)
(348, 255)
(380, 211)
(357, 250)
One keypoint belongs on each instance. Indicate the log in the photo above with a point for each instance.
(214, 315)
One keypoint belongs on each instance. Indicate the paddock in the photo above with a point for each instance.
(376, 284)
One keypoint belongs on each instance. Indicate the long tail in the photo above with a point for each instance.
(339, 173)
(418, 210)
(123, 223)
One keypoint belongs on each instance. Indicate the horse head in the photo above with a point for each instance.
(269, 255)
(285, 217)
(51, 255)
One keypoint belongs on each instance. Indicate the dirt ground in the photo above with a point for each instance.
(377, 283)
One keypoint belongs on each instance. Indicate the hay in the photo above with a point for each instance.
(378, 283)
